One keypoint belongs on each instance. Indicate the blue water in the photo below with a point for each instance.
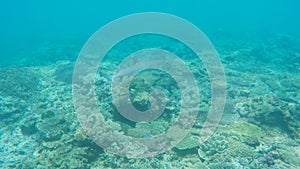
(258, 45)
(34, 22)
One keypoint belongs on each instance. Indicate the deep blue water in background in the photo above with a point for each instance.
(28, 26)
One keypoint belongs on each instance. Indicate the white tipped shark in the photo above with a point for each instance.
(135, 68)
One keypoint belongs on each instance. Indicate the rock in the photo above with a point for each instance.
(290, 155)
(64, 73)
(28, 129)
(245, 93)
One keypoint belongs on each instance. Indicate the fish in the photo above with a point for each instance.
(137, 68)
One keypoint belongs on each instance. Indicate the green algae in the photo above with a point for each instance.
(244, 129)
(190, 141)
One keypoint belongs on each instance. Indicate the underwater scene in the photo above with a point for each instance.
(150, 84)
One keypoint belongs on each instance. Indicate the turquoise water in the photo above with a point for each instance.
(258, 46)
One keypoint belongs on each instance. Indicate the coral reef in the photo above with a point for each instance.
(259, 128)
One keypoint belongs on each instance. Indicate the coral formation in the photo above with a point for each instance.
(259, 129)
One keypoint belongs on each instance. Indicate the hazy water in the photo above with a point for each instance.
(27, 26)
(258, 43)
